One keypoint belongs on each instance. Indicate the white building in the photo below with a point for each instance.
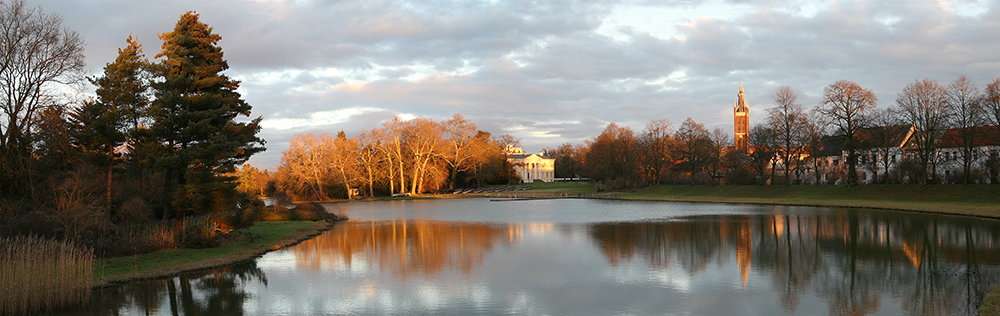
(532, 167)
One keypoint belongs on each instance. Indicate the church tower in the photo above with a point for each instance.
(741, 117)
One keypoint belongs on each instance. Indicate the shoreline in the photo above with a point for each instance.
(978, 211)
(243, 255)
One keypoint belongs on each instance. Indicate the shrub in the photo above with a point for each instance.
(197, 234)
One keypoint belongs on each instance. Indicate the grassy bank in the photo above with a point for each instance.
(249, 243)
(972, 200)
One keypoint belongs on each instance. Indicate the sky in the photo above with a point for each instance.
(550, 72)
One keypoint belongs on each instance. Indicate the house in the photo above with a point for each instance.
(880, 150)
(983, 147)
(532, 167)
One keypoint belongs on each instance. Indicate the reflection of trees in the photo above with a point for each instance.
(851, 258)
(403, 247)
(216, 292)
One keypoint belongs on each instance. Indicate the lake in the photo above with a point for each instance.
(597, 257)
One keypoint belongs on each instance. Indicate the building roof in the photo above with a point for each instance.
(981, 136)
(884, 136)
(832, 146)
(525, 156)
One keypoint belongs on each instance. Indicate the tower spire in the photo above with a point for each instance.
(741, 120)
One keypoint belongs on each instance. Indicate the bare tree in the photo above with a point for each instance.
(36, 54)
(392, 149)
(990, 102)
(964, 100)
(845, 107)
(814, 148)
(655, 145)
(610, 159)
(788, 121)
(308, 162)
(762, 146)
(423, 140)
(344, 161)
(883, 142)
(716, 164)
(694, 144)
(464, 150)
(370, 158)
(506, 143)
(924, 104)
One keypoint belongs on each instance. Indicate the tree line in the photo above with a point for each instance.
(792, 142)
(400, 157)
(161, 139)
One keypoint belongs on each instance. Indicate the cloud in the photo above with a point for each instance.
(552, 72)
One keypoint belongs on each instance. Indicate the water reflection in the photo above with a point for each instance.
(216, 292)
(766, 261)
(852, 260)
(404, 247)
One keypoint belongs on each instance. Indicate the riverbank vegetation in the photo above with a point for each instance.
(241, 245)
(38, 274)
(398, 158)
(147, 165)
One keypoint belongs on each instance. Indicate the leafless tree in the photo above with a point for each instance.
(720, 144)
(693, 147)
(924, 104)
(36, 55)
(762, 147)
(788, 121)
(655, 145)
(965, 102)
(846, 107)
(464, 149)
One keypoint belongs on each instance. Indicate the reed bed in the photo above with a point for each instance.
(38, 274)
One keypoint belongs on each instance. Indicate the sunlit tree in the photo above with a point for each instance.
(611, 157)
(693, 147)
(463, 150)
(655, 150)
(307, 164)
(195, 115)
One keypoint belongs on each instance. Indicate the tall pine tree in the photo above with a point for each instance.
(194, 112)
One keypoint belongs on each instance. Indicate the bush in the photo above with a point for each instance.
(197, 234)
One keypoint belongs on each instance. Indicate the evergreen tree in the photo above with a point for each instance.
(194, 112)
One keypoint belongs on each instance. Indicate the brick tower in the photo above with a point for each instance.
(741, 117)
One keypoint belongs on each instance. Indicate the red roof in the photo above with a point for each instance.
(980, 136)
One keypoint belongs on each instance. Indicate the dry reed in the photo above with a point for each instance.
(38, 274)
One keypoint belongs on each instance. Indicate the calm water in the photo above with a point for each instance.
(594, 257)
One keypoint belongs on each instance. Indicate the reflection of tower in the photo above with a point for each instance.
(744, 251)
(741, 117)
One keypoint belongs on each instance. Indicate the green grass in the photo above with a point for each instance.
(991, 304)
(561, 187)
(259, 235)
(974, 200)
(972, 194)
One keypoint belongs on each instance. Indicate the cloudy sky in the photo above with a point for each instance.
(552, 72)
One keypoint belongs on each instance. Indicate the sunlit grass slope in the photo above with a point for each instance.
(252, 241)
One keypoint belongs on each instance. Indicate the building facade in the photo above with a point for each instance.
(532, 167)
